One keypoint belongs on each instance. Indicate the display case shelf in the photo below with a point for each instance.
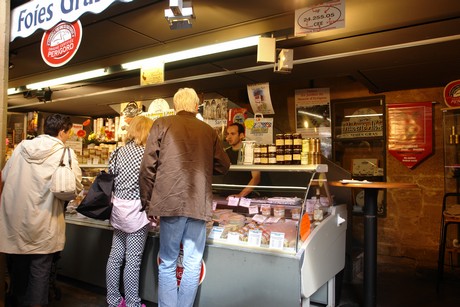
(451, 136)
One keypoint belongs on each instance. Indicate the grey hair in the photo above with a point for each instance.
(186, 99)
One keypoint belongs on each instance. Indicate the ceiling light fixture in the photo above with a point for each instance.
(68, 79)
(179, 15)
(195, 52)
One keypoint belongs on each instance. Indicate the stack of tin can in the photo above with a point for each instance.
(290, 149)
(311, 151)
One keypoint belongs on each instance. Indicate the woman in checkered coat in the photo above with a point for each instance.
(130, 225)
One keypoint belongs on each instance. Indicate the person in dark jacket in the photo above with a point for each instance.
(181, 156)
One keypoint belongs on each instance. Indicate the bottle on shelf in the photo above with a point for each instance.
(318, 209)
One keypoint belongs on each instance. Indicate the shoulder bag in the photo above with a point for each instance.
(63, 181)
(97, 203)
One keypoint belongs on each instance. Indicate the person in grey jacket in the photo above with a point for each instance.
(181, 156)
(32, 222)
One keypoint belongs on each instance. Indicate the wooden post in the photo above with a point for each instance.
(4, 66)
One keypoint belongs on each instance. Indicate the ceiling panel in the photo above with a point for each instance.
(135, 30)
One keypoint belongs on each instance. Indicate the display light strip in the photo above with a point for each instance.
(195, 52)
(166, 58)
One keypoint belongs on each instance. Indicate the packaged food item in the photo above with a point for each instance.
(295, 213)
(265, 209)
(279, 211)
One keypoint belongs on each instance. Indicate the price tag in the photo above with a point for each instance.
(276, 240)
(233, 201)
(233, 237)
(254, 237)
(259, 218)
(245, 202)
(216, 232)
(272, 220)
(254, 209)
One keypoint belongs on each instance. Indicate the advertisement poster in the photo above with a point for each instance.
(237, 115)
(322, 17)
(259, 97)
(313, 112)
(410, 132)
(362, 123)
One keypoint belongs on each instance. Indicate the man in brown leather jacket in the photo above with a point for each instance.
(181, 156)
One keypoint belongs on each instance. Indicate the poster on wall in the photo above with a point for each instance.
(259, 97)
(313, 112)
(410, 132)
(215, 114)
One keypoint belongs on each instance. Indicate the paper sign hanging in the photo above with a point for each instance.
(326, 16)
(259, 97)
(153, 74)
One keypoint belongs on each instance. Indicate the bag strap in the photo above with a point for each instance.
(70, 158)
(61, 163)
(115, 156)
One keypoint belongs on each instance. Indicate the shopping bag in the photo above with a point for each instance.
(259, 129)
(63, 182)
(97, 203)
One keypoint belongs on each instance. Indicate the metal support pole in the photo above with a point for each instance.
(370, 247)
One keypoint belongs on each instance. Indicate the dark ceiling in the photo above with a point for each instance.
(386, 45)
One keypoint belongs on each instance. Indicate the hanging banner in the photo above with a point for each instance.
(45, 14)
(259, 97)
(326, 16)
(410, 132)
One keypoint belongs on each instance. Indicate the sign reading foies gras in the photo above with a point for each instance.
(45, 14)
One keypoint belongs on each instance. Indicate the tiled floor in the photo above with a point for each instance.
(398, 285)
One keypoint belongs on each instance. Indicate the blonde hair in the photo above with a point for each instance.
(139, 129)
(186, 99)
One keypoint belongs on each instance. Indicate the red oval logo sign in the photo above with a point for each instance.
(60, 44)
(452, 94)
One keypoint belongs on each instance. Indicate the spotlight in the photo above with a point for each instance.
(179, 15)
(42, 95)
(11, 65)
(285, 61)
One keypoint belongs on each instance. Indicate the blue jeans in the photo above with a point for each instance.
(192, 234)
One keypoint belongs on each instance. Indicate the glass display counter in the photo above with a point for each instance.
(285, 272)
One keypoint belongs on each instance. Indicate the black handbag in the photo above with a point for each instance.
(97, 203)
